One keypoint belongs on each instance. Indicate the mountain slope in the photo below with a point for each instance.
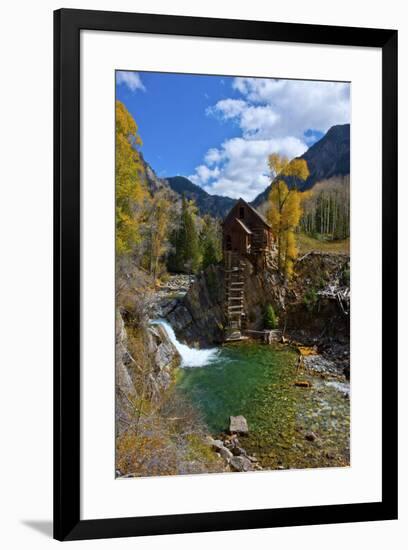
(328, 157)
(153, 183)
(215, 205)
(178, 186)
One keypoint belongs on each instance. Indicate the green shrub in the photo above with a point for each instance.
(270, 319)
(346, 276)
(310, 298)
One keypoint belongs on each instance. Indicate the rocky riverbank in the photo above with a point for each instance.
(308, 306)
(148, 402)
(234, 455)
(133, 379)
(168, 295)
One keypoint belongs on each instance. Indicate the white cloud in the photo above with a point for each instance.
(131, 79)
(273, 116)
(300, 104)
(259, 122)
(212, 156)
(242, 169)
(227, 108)
(203, 174)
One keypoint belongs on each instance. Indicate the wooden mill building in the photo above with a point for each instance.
(246, 234)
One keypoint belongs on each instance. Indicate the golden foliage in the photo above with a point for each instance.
(146, 454)
(130, 191)
(280, 165)
(297, 168)
(306, 351)
(285, 208)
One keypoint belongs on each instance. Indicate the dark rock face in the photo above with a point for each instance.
(327, 158)
(198, 319)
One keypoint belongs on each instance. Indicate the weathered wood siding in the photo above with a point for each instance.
(235, 237)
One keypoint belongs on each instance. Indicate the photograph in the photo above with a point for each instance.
(201, 335)
(232, 211)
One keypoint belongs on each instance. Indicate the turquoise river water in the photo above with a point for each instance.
(257, 381)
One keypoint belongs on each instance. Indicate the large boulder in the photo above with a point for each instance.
(238, 425)
(241, 464)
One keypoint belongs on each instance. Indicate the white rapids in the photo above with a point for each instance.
(190, 357)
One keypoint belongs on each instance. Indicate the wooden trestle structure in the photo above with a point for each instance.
(234, 295)
(246, 235)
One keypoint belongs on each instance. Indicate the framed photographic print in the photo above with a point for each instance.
(225, 274)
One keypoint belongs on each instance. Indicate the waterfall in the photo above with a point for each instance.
(190, 357)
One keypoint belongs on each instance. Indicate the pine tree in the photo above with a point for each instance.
(192, 257)
(157, 231)
(210, 242)
(186, 255)
(270, 319)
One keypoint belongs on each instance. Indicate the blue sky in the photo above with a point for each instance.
(219, 131)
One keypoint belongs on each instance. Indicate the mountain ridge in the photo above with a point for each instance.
(328, 157)
(215, 205)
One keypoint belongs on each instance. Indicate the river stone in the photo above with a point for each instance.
(241, 464)
(238, 424)
(238, 451)
(226, 454)
(310, 436)
(217, 444)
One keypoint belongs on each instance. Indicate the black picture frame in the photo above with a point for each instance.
(67, 26)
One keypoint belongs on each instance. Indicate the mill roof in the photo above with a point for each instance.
(254, 210)
(245, 228)
(260, 216)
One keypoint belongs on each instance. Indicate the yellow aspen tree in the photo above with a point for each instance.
(130, 191)
(284, 208)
